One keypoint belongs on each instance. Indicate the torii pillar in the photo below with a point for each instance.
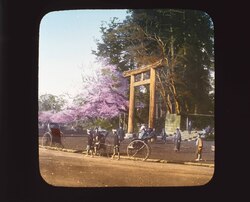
(133, 84)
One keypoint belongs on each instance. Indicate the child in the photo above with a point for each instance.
(199, 144)
(90, 143)
(116, 145)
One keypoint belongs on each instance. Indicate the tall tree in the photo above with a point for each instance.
(182, 39)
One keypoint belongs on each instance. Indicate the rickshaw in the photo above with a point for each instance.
(53, 136)
(139, 148)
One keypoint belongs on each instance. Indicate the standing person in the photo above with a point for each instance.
(96, 132)
(116, 148)
(97, 140)
(164, 136)
(189, 127)
(199, 144)
(207, 130)
(152, 135)
(89, 147)
(120, 133)
(177, 140)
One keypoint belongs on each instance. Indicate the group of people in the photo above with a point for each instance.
(147, 133)
(198, 143)
(96, 140)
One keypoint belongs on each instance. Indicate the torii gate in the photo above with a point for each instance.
(133, 84)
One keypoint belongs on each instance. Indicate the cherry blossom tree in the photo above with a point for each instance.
(65, 116)
(44, 116)
(105, 94)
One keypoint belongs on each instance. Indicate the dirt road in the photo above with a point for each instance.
(76, 170)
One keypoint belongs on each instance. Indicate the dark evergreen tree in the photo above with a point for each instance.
(182, 39)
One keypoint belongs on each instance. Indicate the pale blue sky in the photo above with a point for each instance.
(65, 43)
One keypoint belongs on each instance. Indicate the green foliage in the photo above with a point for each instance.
(184, 39)
(107, 124)
(51, 102)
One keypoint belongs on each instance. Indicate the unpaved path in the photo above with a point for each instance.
(76, 170)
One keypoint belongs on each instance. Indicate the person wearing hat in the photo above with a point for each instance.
(177, 140)
(120, 133)
(142, 131)
(199, 144)
(89, 147)
(116, 148)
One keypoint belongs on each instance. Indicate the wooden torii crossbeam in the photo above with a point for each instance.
(133, 84)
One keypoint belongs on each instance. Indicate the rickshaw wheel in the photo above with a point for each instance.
(47, 139)
(138, 150)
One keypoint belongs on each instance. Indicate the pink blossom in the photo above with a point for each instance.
(44, 116)
(65, 116)
(103, 96)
